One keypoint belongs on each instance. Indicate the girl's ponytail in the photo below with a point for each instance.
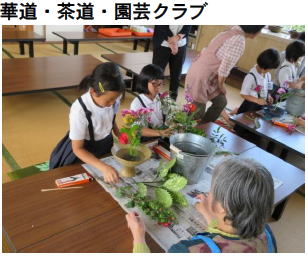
(85, 83)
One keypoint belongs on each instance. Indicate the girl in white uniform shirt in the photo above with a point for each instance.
(286, 75)
(150, 80)
(92, 120)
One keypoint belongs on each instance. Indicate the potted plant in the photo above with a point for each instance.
(275, 28)
(129, 151)
(295, 31)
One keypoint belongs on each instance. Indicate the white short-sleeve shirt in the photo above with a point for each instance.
(157, 115)
(249, 84)
(286, 73)
(101, 117)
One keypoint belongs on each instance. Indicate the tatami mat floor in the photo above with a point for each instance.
(34, 123)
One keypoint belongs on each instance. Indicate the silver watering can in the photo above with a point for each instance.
(193, 153)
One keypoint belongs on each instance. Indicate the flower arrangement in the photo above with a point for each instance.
(155, 198)
(134, 121)
(282, 95)
(180, 119)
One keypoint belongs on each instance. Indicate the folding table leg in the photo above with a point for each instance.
(22, 47)
(76, 45)
(31, 49)
(64, 46)
(147, 45)
(135, 44)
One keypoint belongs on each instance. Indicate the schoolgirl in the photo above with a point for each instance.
(92, 120)
(149, 84)
(286, 74)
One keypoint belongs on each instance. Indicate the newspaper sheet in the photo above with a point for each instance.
(190, 221)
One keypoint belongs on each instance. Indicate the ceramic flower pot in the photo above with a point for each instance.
(121, 154)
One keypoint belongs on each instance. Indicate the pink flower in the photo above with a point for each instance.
(258, 88)
(188, 98)
(128, 112)
(164, 95)
(123, 138)
(281, 91)
(291, 128)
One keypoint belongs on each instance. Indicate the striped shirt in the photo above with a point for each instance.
(230, 52)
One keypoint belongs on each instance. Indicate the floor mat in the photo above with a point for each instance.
(29, 171)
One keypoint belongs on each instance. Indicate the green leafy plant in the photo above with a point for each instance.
(155, 198)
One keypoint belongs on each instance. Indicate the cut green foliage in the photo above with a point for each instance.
(175, 183)
(164, 197)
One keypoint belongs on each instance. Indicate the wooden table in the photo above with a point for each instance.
(23, 37)
(76, 37)
(289, 141)
(80, 220)
(45, 73)
(292, 177)
(134, 62)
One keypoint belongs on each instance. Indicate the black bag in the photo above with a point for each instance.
(63, 153)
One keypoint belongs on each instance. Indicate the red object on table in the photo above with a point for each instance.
(135, 33)
(114, 32)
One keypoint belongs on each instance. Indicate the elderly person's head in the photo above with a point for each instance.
(244, 191)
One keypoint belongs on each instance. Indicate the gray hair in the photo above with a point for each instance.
(245, 188)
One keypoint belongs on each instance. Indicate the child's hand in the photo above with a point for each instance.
(110, 174)
(165, 133)
(261, 102)
(136, 226)
(270, 99)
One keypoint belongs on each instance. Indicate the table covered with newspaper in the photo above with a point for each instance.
(190, 221)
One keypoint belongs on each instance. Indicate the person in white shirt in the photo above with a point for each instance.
(149, 83)
(92, 120)
(257, 83)
(286, 74)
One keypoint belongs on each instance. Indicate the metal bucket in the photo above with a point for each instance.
(193, 153)
(295, 103)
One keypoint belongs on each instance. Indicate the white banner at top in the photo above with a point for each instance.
(146, 12)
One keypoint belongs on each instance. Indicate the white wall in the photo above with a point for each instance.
(39, 29)
(52, 37)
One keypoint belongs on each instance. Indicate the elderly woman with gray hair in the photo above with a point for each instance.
(236, 209)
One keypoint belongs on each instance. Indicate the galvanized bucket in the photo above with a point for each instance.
(193, 153)
(295, 103)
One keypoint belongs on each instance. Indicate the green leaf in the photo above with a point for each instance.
(164, 168)
(179, 198)
(142, 189)
(130, 204)
(175, 183)
(163, 197)
(119, 193)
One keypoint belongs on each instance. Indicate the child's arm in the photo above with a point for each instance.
(110, 174)
(115, 129)
(260, 101)
(147, 132)
(298, 84)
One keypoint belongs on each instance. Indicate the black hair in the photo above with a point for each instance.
(301, 36)
(252, 29)
(269, 59)
(295, 50)
(148, 73)
(108, 75)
